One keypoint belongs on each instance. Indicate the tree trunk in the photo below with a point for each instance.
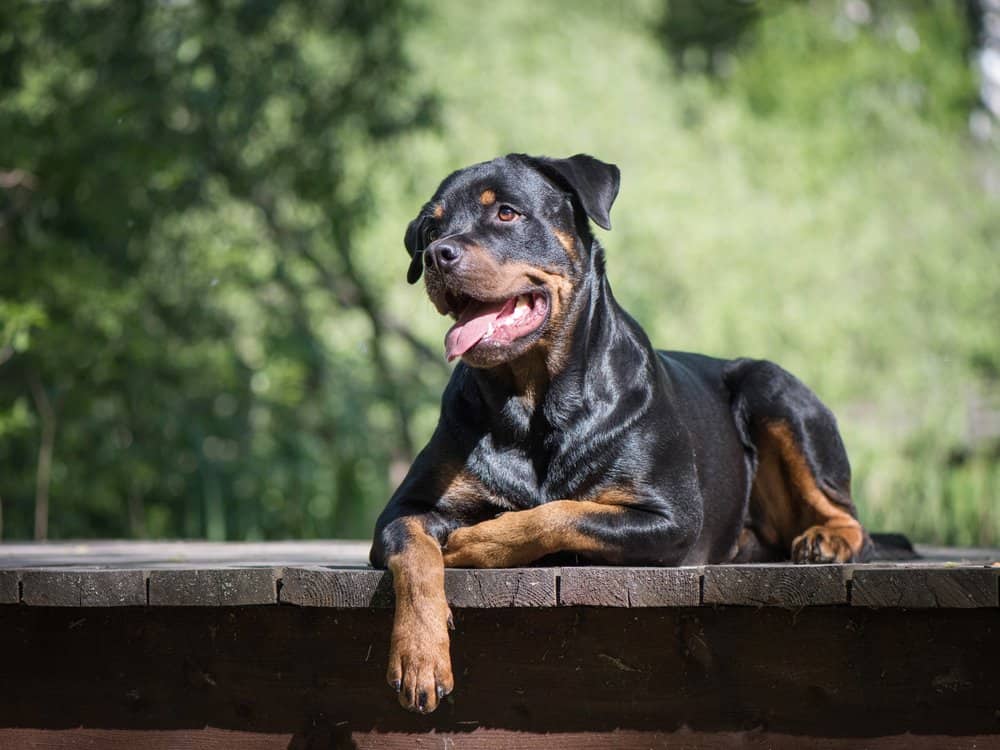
(45, 448)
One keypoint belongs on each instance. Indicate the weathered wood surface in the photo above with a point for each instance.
(163, 645)
(213, 587)
(630, 587)
(568, 677)
(335, 574)
(83, 588)
(10, 587)
(473, 739)
(788, 586)
(335, 587)
(925, 587)
(130, 554)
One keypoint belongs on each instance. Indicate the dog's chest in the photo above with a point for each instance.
(517, 476)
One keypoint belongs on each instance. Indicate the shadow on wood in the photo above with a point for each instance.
(313, 677)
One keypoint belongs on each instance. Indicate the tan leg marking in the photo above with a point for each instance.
(790, 509)
(419, 662)
(523, 536)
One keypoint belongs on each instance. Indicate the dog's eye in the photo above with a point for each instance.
(432, 234)
(506, 213)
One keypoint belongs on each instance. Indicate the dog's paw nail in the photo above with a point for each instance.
(440, 692)
(422, 701)
(396, 685)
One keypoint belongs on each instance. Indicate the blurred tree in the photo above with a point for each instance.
(181, 184)
(853, 116)
(699, 34)
(195, 287)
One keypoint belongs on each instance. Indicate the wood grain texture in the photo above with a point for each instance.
(517, 587)
(475, 738)
(326, 587)
(683, 739)
(172, 554)
(630, 587)
(231, 574)
(789, 586)
(318, 674)
(330, 587)
(9, 587)
(129, 739)
(83, 588)
(907, 586)
(922, 587)
(213, 587)
(340, 553)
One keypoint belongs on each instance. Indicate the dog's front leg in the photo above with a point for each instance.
(419, 661)
(601, 531)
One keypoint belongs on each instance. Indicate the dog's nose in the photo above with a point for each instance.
(444, 256)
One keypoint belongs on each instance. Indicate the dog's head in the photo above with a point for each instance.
(502, 246)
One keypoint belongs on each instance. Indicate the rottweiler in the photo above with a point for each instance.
(562, 430)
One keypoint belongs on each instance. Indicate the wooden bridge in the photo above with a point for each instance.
(283, 645)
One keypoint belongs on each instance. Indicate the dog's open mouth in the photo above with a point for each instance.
(500, 322)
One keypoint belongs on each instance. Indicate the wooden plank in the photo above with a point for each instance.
(327, 587)
(630, 587)
(789, 586)
(344, 553)
(922, 587)
(682, 739)
(9, 590)
(83, 588)
(208, 738)
(477, 738)
(981, 555)
(318, 673)
(119, 580)
(213, 587)
(515, 587)
(152, 554)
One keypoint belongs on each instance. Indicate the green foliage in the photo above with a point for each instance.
(811, 197)
(179, 250)
(202, 205)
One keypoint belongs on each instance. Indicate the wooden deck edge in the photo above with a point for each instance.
(763, 677)
(783, 586)
(210, 738)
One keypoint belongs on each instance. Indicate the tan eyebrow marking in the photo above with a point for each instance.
(488, 198)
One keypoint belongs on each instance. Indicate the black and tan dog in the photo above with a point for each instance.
(563, 431)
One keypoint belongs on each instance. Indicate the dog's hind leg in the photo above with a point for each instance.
(800, 499)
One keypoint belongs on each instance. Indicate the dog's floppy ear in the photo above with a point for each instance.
(414, 241)
(595, 183)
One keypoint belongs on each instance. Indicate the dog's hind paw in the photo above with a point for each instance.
(828, 544)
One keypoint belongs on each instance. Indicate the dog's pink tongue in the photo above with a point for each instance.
(472, 325)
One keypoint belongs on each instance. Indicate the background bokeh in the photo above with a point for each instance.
(204, 325)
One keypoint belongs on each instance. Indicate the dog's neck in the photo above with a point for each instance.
(553, 382)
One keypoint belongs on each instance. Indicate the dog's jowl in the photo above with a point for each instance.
(563, 430)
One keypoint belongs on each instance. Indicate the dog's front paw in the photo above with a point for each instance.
(466, 547)
(420, 666)
(481, 546)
